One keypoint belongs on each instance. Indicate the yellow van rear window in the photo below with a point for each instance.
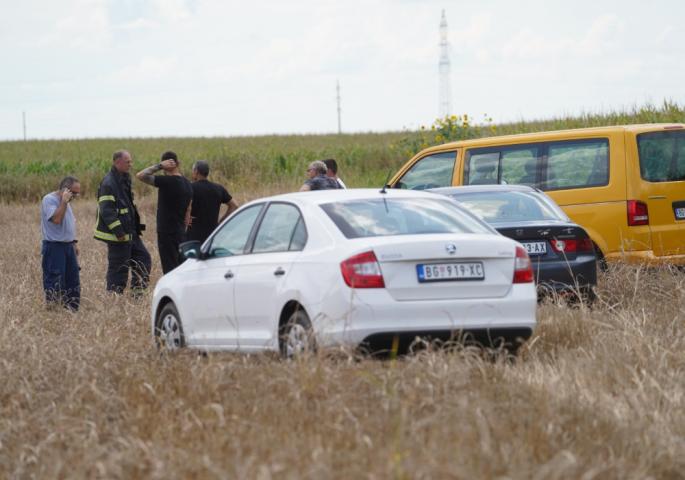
(662, 156)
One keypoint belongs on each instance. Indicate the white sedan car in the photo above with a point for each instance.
(365, 268)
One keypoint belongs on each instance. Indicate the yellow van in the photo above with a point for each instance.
(625, 185)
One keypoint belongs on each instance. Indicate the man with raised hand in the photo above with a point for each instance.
(61, 280)
(118, 225)
(174, 200)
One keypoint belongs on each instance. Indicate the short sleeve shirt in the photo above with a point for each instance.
(175, 194)
(53, 232)
(322, 182)
(207, 200)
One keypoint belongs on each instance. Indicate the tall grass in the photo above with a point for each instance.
(595, 394)
(250, 164)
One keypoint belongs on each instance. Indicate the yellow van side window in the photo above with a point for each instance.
(512, 165)
(545, 165)
(520, 166)
(483, 168)
(577, 165)
(432, 171)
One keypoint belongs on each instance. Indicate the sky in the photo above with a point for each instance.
(140, 68)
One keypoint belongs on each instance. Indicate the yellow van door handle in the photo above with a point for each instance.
(657, 197)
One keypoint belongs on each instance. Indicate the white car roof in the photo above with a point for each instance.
(318, 197)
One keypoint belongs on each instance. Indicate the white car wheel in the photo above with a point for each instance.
(296, 337)
(169, 330)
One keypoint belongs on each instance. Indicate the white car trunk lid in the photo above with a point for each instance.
(489, 256)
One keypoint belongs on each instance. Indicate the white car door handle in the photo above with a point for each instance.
(228, 274)
(279, 271)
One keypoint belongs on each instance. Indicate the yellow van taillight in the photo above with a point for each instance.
(637, 213)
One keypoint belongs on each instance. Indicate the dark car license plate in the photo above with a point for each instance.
(535, 248)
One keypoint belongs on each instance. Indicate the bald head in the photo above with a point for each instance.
(122, 161)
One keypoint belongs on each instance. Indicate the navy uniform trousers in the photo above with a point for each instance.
(61, 281)
(123, 257)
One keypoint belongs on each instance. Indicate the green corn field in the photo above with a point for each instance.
(272, 164)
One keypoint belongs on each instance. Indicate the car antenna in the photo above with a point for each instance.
(385, 184)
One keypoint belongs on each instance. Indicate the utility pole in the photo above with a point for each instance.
(445, 96)
(23, 116)
(337, 89)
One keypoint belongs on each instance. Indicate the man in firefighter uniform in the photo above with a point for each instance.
(118, 225)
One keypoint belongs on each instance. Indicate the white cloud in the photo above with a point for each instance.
(84, 25)
(137, 24)
(603, 36)
(230, 66)
(665, 34)
(477, 29)
(147, 70)
(172, 10)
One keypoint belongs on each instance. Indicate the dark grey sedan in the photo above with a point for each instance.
(562, 253)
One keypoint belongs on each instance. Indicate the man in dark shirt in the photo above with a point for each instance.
(332, 171)
(318, 179)
(207, 199)
(173, 207)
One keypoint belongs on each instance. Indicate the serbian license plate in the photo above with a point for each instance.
(440, 272)
(680, 213)
(535, 248)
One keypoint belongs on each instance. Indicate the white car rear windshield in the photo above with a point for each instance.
(401, 216)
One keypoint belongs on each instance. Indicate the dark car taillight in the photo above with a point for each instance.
(362, 271)
(523, 268)
(637, 213)
(572, 245)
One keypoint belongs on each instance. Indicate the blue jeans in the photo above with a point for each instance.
(61, 281)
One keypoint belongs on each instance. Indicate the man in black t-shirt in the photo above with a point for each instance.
(207, 199)
(173, 207)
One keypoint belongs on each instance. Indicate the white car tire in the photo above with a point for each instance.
(296, 336)
(170, 335)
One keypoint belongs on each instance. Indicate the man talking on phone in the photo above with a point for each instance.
(61, 280)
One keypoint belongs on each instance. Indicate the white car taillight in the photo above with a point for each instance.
(362, 271)
(523, 269)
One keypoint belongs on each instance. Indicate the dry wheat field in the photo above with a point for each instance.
(595, 394)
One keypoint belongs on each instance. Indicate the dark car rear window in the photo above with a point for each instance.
(501, 207)
(405, 216)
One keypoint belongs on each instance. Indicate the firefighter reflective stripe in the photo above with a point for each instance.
(123, 211)
(110, 237)
(106, 198)
(114, 224)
